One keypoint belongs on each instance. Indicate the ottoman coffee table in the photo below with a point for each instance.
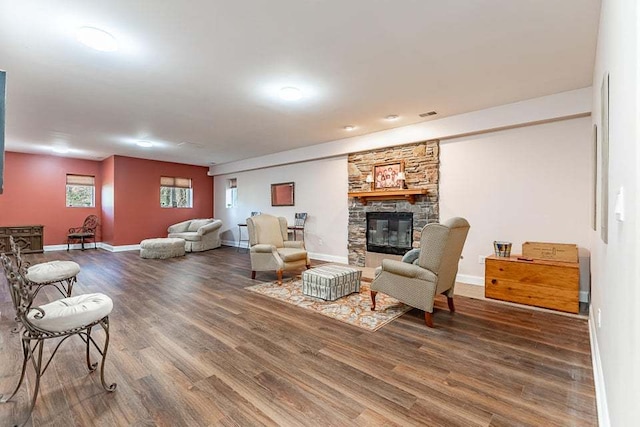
(331, 282)
(162, 248)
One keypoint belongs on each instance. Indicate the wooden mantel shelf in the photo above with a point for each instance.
(409, 195)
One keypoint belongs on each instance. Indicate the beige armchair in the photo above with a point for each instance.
(432, 273)
(269, 248)
(199, 234)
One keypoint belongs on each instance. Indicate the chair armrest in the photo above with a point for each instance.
(263, 249)
(212, 226)
(179, 227)
(294, 244)
(75, 230)
(407, 270)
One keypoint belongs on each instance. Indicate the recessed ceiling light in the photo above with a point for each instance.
(145, 144)
(97, 39)
(349, 128)
(60, 150)
(392, 117)
(290, 93)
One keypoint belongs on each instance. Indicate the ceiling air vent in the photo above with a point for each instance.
(430, 113)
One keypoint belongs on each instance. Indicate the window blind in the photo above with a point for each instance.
(167, 181)
(81, 180)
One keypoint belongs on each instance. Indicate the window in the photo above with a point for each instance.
(81, 191)
(232, 193)
(176, 192)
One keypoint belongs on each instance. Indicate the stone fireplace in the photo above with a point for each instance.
(421, 167)
(389, 232)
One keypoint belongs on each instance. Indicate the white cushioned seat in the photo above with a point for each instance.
(52, 271)
(189, 236)
(70, 313)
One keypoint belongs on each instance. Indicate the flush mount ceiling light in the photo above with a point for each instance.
(349, 128)
(145, 144)
(60, 150)
(290, 93)
(97, 39)
(392, 117)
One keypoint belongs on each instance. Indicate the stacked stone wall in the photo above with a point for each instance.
(421, 167)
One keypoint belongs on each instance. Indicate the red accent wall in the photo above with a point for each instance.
(108, 198)
(138, 214)
(35, 193)
(127, 196)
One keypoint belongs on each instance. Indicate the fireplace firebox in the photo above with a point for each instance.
(389, 232)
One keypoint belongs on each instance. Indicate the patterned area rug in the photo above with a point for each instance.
(354, 309)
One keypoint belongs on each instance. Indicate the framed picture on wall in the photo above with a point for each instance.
(282, 194)
(604, 159)
(388, 176)
(594, 183)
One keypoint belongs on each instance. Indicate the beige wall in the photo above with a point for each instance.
(616, 265)
(320, 190)
(526, 184)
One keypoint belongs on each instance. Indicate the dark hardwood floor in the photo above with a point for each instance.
(191, 347)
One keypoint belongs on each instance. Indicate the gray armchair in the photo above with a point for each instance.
(269, 248)
(199, 234)
(416, 283)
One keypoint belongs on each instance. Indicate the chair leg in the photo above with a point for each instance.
(428, 319)
(253, 275)
(25, 358)
(91, 366)
(70, 282)
(105, 326)
(452, 308)
(37, 366)
(279, 272)
(373, 300)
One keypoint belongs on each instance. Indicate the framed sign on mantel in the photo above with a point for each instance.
(388, 176)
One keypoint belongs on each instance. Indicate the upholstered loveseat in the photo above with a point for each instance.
(199, 234)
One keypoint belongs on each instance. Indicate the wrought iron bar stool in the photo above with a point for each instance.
(60, 274)
(60, 319)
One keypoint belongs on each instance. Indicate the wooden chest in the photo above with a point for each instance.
(29, 238)
(548, 284)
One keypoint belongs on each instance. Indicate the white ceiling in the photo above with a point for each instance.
(207, 72)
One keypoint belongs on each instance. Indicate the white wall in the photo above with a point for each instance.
(321, 188)
(615, 266)
(558, 106)
(527, 184)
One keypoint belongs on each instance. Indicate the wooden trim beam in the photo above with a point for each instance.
(408, 195)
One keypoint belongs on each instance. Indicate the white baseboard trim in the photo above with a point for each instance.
(123, 248)
(598, 375)
(470, 280)
(233, 243)
(51, 248)
(105, 246)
